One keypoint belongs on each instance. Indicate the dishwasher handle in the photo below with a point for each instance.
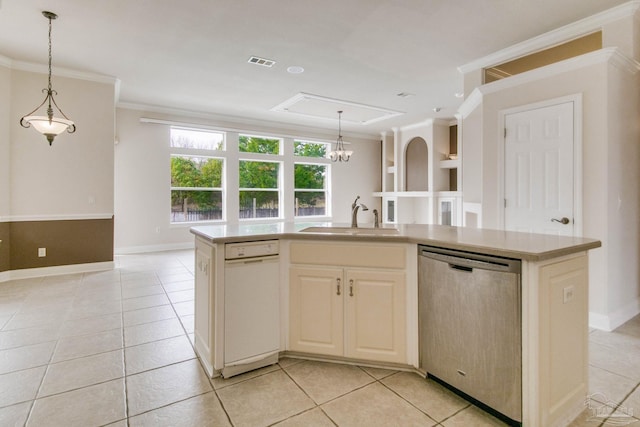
(464, 268)
(467, 262)
(256, 260)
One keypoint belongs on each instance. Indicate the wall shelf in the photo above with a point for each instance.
(450, 164)
(419, 180)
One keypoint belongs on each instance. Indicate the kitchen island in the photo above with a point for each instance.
(351, 296)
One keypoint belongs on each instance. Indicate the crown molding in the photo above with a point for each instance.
(63, 72)
(623, 62)
(611, 55)
(554, 37)
(5, 61)
(473, 101)
(239, 124)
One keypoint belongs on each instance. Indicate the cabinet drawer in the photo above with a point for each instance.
(370, 254)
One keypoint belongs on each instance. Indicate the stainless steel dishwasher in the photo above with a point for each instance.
(470, 327)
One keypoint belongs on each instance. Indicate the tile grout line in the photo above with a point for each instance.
(614, 373)
(124, 357)
(420, 410)
(226, 413)
(316, 405)
(620, 404)
(46, 371)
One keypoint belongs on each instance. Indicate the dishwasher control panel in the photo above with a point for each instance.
(251, 249)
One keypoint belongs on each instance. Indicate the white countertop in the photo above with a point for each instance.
(510, 244)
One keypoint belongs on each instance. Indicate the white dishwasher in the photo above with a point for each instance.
(251, 306)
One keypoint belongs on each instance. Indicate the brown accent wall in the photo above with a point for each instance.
(5, 236)
(67, 242)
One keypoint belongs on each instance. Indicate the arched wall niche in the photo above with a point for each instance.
(417, 165)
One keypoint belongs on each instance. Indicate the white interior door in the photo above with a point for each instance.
(539, 175)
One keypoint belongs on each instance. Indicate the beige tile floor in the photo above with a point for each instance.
(115, 348)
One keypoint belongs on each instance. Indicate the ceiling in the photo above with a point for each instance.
(193, 54)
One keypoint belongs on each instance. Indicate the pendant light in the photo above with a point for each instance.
(49, 125)
(339, 153)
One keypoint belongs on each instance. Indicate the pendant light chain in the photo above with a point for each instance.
(49, 53)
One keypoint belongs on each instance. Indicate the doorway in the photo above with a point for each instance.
(541, 168)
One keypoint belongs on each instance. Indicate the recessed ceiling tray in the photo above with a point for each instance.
(321, 107)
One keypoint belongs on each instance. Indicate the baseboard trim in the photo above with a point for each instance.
(617, 318)
(625, 313)
(154, 248)
(29, 273)
(599, 321)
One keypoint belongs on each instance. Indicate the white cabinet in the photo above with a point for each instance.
(555, 339)
(346, 307)
(204, 325)
(375, 315)
(316, 310)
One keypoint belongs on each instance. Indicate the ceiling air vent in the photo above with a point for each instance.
(261, 61)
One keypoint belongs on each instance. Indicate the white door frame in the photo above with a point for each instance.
(577, 154)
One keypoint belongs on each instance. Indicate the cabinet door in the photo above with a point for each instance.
(203, 301)
(376, 319)
(316, 310)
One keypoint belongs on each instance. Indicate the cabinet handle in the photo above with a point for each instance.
(338, 286)
(350, 287)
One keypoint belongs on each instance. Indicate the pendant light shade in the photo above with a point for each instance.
(49, 125)
(339, 153)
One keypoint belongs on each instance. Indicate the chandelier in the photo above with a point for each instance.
(339, 153)
(49, 125)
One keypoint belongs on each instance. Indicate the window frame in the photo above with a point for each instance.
(313, 161)
(263, 158)
(217, 154)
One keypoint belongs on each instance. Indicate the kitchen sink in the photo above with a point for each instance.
(360, 231)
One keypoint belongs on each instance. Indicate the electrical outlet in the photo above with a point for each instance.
(42, 252)
(567, 294)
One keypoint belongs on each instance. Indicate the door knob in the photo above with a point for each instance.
(563, 220)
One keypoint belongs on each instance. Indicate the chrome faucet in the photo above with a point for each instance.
(376, 220)
(354, 211)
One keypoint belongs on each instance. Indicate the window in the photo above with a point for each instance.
(196, 179)
(200, 160)
(259, 144)
(310, 179)
(196, 139)
(259, 190)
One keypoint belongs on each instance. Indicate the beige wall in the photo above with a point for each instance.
(472, 164)
(623, 197)
(75, 175)
(5, 152)
(5, 166)
(59, 197)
